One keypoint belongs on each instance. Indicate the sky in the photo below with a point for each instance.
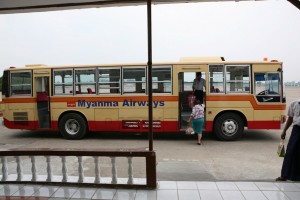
(239, 31)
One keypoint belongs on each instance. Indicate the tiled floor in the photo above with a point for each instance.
(166, 190)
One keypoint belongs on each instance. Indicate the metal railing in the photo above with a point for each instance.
(18, 176)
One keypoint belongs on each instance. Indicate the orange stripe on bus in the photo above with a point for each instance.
(251, 99)
(119, 99)
(19, 100)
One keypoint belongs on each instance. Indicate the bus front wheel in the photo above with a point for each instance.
(229, 127)
(72, 126)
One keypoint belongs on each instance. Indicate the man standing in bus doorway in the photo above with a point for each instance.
(198, 86)
(291, 164)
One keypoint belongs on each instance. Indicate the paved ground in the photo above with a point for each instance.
(179, 158)
(173, 190)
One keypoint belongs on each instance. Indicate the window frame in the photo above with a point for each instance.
(223, 78)
(120, 81)
(171, 80)
(241, 81)
(68, 84)
(11, 85)
(267, 80)
(123, 82)
(85, 83)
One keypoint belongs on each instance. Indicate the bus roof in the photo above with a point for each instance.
(183, 61)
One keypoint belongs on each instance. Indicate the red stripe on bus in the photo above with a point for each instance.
(264, 124)
(165, 126)
(250, 98)
(209, 126)
(251, 125)
(29, 125)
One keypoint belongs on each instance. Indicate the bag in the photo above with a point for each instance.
(281, 149)
(189, 131)
(191, 98)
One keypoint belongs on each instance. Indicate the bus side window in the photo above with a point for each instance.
(216, 78)
(109, 81)
(161, 79)
(237, 78)
(21, 83)
(134, 80)
(267, 87)
(63, 82)
(85, 79)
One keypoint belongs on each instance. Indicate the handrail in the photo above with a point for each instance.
(96, 154)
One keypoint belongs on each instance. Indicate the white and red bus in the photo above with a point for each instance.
(77, 99)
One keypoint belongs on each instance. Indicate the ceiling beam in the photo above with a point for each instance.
(24, 6)
(295, 3)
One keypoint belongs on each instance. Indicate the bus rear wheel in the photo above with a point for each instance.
(72, 126)
(229, 127)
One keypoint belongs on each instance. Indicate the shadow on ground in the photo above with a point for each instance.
(249, 135)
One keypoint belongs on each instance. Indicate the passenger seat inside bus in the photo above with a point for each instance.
(90, 91)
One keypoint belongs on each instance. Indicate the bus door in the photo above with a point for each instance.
(185, 90)
(43, 101)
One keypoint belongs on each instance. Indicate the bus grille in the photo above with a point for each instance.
(20, 118)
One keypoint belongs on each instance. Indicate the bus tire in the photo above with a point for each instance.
(72, 126)
(229, 127)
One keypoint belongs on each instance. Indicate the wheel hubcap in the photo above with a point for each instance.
(72, 126)
(230, 127)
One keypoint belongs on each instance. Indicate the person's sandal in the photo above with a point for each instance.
(280, 179)
(198, 143)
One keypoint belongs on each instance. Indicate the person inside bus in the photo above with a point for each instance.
(197, 119)
(214, 90)
(198, 86)
(291, 164)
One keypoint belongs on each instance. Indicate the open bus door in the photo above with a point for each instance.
(185, 90)
(43, 101)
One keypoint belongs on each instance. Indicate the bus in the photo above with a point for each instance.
(114, 98)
